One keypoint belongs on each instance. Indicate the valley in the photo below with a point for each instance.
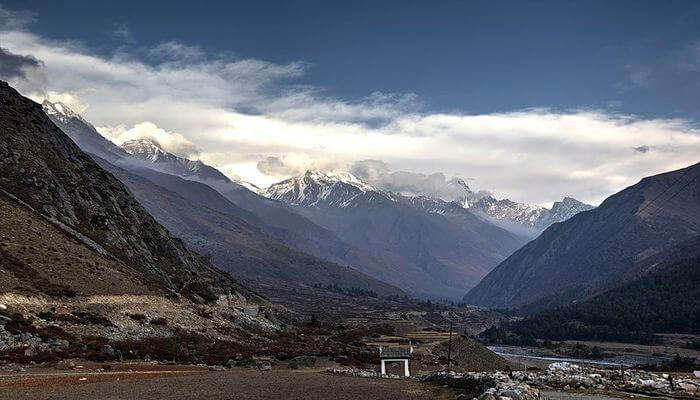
(135, 265)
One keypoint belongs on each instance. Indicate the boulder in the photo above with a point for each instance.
(108, 350)
(263, 365)
(302, 362)
(65, 365)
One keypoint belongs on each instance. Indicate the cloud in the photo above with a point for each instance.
(276, 167)
(14, 66)
(171, 142)
(175, 51)
(234, 113)
(24, 72)
(378, 174)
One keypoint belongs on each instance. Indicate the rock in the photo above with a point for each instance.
(3, 307)
(487, 396)
(108, 350)
(217, 368)
(65, 365)
(263, 365)
(60, 344)
(302, 362)
(512, 394)
(34, 349)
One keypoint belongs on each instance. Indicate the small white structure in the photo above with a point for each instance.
(395, 354)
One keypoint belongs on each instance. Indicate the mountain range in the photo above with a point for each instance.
(236, 240)
(429, 252)
(423, 245)
(600, 248)
(527, 219)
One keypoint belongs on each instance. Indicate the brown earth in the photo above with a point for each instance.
(238, 383)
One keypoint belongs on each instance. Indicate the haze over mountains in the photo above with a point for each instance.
(600, 248)
(422, 244)
(210, 223)
(428, 253)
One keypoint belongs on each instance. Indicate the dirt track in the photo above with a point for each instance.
(236, 384)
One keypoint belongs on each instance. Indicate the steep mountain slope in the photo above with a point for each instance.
(662, 300)
(46, 171)
(232, 244)
(428, 253)
(38, 257)
(81, 131)
(596, 249)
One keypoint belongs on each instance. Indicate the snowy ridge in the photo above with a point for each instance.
(316, 188)
(60, 111)
(149, 150)
(343, 189)
(527, 215)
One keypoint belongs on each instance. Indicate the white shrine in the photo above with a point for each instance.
(395, 354)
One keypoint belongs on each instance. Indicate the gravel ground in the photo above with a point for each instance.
(551, 395)
(236, 384)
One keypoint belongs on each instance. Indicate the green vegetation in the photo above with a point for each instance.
(665, 301)
(348, 291)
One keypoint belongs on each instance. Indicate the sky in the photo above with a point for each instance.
(532, 101)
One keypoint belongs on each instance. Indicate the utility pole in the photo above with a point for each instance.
(449, 349)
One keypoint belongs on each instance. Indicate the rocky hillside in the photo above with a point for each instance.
(44, 170)
(597, 249)
(426, 251)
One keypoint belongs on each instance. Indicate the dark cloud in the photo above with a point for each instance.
(642, 149)
(274, 166)
(13, 66)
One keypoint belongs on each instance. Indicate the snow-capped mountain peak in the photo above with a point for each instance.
(144, 148)
(316, 187)
(60, 111)
(332, 177)
(533, 217)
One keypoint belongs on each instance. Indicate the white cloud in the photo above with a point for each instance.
(239, 112)
(171, 142)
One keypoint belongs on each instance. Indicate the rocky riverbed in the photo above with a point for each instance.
(563, 376)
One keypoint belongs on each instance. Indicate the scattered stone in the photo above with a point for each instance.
(302, 362)
(217, 368)
(263, 365)
(65, 365)
(365, 373)
(108, 350)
